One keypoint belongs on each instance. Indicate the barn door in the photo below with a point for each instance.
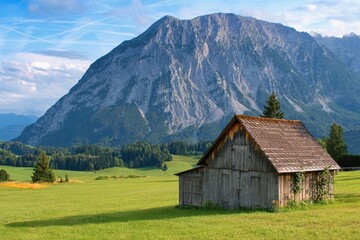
(192, 191)
(225, 193)
(197, 192)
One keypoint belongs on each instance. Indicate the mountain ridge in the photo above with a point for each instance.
(346, 48)
(11, 125)
(180, 76)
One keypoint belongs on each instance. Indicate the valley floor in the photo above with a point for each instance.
(145, 208)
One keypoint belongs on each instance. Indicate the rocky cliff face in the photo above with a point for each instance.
(347, 48)
(183, 79)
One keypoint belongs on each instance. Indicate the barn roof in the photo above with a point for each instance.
(286, 143)
(196, 168)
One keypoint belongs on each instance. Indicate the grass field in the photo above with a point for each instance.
(144, 208)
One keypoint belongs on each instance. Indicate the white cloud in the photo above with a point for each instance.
(311, 7)
(40, 65)
(31, 83)
(328, 17)
(332, 18)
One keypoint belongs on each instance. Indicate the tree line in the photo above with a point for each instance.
(83, 158)
(145, 155)
(185, 148)
(93, 158)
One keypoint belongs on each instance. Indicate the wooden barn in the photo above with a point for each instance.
(259, 163)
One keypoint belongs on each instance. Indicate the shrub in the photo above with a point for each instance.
(101, 178)
(4, 176)
(210, 205)
(292, 204)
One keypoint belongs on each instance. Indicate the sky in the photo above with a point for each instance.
(47, 45)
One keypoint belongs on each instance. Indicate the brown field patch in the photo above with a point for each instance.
(70, 181)
(75, 181)
(23, 185)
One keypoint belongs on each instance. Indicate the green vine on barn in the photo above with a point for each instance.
(297, 182)
(323, 186)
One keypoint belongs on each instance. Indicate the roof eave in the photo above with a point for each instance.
(189, 170)
(307, 170)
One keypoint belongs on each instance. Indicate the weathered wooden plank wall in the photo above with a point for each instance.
(240, 175)
(308, 186)
(191, 188)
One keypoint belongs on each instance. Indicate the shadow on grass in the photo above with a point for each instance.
(169, 212)
(347, 197)
(347, 179)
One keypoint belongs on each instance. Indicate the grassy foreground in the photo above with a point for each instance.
(144, 208)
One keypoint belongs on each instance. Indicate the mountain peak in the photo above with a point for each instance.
(168, 18)
(315, 34)
(349, 35)
(181, 78)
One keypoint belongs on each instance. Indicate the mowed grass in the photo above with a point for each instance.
(145, 208)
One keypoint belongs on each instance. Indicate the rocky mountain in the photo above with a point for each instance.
(347, 48)
(184, 79)
(11, 125)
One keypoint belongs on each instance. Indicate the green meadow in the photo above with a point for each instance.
(142, 204)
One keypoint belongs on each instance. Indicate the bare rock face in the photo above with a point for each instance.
(183, 79)
(347, 48)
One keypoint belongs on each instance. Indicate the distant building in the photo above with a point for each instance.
(253, 163)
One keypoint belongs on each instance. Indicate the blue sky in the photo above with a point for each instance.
(47, 45)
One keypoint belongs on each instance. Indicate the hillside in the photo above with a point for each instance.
(352, 139)
(184, 79)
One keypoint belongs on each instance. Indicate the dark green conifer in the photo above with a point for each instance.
(272, 108)
(42, 172)
(335, 144)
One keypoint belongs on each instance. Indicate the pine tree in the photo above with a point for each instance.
(272, 108)
(335, 144)
(42, 172)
